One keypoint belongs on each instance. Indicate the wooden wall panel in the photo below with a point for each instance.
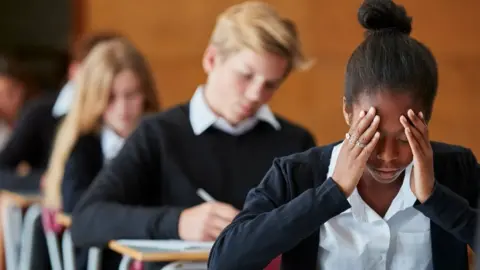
(173, 35)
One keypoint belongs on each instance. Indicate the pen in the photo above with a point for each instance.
(204, 195)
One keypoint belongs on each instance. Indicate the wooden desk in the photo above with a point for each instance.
(152, 254)
(63, 219)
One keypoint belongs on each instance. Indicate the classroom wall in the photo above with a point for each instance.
(173, 35)
(37, 33)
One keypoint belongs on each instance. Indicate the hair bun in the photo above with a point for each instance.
(384, 15)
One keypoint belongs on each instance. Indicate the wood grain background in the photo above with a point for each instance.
(173, 35)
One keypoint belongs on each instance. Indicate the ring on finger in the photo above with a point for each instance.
(360, 144)
(350, 138)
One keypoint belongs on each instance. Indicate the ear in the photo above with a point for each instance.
(209, 58)
(347, 112)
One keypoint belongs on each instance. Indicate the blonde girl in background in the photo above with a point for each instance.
(115, 89)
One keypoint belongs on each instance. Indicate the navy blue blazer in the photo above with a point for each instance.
(81, 167)
(284, 213)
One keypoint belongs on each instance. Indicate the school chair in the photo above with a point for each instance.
(52, 234)
(54, 230)
(94, 258)
(68, 252)
(12, 207)
(32, 215)
(12, 231)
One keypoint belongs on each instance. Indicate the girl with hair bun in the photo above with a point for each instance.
(386, 197)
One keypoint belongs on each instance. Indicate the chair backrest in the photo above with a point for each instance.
(29, 231)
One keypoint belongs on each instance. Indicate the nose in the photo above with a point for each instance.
(120, 107)
(387, 150)
(254, 92)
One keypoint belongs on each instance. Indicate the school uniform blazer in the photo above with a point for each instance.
(81, 168)
(284, 213)
(31, 142)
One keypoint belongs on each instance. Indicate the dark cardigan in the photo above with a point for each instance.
(284, 213)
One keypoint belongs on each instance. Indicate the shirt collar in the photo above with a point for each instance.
(202, 117)
(64, 100)
(404, 199)
(111, 143)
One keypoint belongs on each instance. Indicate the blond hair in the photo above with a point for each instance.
(93, 89)
(258, 27)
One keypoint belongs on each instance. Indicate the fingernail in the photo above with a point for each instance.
(411, 112)
(362, 114)
(371, 110)
(421, 114)
(376, 118)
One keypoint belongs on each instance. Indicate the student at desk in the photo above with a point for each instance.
(14, 94)
(386, 197)
(114, 89)
(222, 141)
(33, 134)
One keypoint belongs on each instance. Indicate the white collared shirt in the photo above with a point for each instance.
(64, 100)
(111, 143)
(359, 238)
(202, 117)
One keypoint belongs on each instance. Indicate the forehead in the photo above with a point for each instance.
(269, 65)
(125, 80)
(389, 106)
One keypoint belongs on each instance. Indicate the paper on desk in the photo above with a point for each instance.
(171, 245)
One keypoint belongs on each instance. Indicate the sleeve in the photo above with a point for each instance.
(114, 205)
(22, 142)
(19, 148)
(452, 212)
(270, 224)
(82, 166)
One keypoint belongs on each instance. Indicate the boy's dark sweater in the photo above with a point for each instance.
(142, 192)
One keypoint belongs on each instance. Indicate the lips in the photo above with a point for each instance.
(386, 173)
